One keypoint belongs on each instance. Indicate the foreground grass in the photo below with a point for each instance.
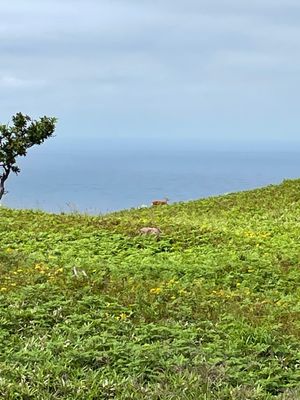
(89, 309)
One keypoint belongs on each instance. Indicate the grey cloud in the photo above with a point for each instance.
(9, 81)
(179, 58)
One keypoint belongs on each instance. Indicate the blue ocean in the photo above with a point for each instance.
(101, 177)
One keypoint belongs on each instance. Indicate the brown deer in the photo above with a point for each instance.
(160, 202)
(150, 231)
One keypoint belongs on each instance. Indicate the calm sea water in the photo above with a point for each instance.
(103, 179)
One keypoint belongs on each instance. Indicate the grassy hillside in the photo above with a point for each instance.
(90, 309)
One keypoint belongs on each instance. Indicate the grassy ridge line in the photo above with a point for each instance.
(91, 310)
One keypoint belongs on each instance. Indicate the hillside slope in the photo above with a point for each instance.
(90, 309)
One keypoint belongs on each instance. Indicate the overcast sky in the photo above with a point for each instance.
(223, 70)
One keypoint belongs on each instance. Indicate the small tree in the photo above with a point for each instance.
(16, 139)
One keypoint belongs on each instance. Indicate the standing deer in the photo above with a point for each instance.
(160, 202)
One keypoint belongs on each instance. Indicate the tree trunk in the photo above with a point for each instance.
(2, 190)
(3, 178)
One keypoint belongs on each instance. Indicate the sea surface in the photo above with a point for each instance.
(100, 179)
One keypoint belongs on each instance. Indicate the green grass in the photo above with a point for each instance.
(90, 309)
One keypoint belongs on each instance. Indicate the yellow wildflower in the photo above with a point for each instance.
(157, 290)
(171, 282)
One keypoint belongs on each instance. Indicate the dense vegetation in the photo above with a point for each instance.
(90, 309)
